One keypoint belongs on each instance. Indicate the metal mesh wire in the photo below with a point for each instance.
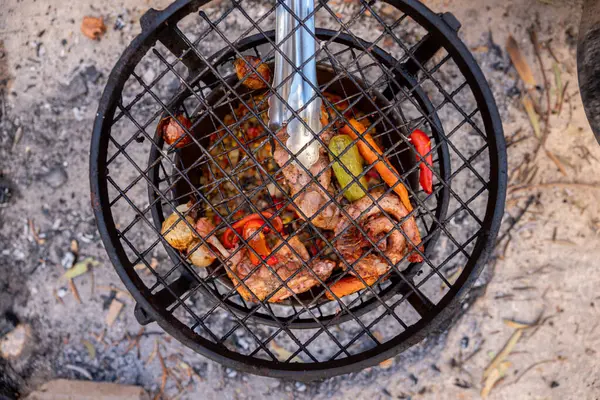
(190, 71)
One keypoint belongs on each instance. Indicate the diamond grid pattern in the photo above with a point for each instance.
(342, 327)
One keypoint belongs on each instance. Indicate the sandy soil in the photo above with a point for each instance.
(51, 80)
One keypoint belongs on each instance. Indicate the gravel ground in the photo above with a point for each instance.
(51, 78)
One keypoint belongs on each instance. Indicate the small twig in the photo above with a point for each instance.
(536, 48)
(153, 354)
(514, 135)
(552, 53)
(505, 248)
(562, 98)
(586, 154)
(473, 354)
(535, 272)
(555, 185)
(539, 324)
(532, 366)
(513, 142)
(152, 334)
(517, 171)
(594, 327)
(556, 162)
(176, 379)
(34, 233)
(545, 293)
(92, 282)
(74, 290)
(126, 336)
(531, 176)
(100, 338)
(165, 372)
(135, 341)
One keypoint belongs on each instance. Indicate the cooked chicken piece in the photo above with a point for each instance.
(263, 282)
(203, 256)
(352, 244)
(311, 197)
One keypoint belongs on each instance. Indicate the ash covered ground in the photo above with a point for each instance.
(51, 79)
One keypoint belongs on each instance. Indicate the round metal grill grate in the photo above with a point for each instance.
(393, 67)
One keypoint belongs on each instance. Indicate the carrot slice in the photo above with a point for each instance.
(258, 242)
(388, 173)
(347, 286)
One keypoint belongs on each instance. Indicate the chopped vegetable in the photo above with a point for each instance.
(173, 133)
(352, 160)
(386, 169)
(423, 146)
(347, 286)
(248, 77)
(230, 239)
(258, 242)
(176, 232)
(199, 254)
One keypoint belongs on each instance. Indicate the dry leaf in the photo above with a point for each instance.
(80, 268)
(93, 27)
(495, 376)
(520, 62)
(76, 270)
(533, 117)
(508, 347)
(113, 312)
(90, 348)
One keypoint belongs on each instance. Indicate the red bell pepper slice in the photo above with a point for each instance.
(230, 239)
(422, 144)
